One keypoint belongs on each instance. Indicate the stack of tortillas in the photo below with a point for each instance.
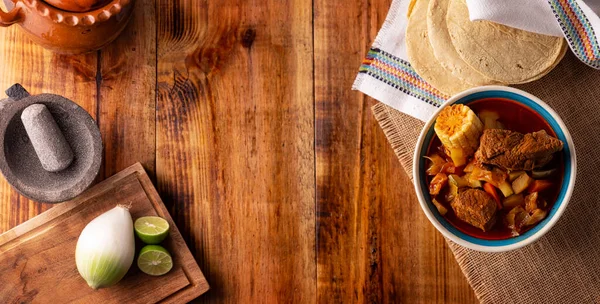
(453, 53)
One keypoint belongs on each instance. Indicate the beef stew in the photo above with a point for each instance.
(512, 179)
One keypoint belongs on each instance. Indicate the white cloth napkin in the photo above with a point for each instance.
(387, 76)
(530, 15)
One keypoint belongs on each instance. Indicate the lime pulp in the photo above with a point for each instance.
(151, 229)
(154, 260)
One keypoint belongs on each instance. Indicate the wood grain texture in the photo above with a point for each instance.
(40, 71)
(374, 243)
(277, 174)
(235, 153)
(127, 85)
(38, 255)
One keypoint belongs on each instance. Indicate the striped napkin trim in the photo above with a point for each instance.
(578, 31)
(399, 74)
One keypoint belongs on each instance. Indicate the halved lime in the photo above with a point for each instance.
(154, 260)
(151, 229)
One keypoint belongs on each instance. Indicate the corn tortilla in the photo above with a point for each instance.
(499, 52)
(444, 50)
(563, 51)
(410, 7)
(421, 56)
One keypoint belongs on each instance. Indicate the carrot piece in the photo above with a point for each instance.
(489, 188)
(539, 185)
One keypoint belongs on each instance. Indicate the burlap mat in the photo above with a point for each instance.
(564, 265)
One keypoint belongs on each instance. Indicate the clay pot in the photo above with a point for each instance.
(77, 5)
(68, 32)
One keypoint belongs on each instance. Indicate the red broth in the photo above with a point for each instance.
(515, 117)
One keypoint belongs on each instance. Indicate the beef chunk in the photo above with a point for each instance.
(475, 207)
(515, 151)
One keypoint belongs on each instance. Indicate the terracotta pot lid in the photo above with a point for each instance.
(96, 15)
(77, 5)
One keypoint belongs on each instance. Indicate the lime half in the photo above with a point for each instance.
(151, 229)
(154, 260)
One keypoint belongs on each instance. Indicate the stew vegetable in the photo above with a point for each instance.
(494, 168)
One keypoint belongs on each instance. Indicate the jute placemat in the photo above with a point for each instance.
(564, 265)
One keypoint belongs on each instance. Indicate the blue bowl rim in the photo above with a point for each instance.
(548, 114)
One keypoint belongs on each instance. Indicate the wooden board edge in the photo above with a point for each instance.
(198, 283)
(61, 208)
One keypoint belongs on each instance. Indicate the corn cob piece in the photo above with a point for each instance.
(459, 129)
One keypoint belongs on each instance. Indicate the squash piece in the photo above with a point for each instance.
(506, 189)
(452, 192)
(458, 181)
(513, 175)
(512, 201)
(473, 182)
(521, 183)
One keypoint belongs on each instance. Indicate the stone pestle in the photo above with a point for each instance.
(47, 139)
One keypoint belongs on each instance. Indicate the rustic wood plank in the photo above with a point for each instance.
(40, 71)
(127, 90)
(235, 143)
(374, 243)
(234, 154)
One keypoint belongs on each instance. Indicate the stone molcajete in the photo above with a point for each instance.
(69, 26)
(51, 149)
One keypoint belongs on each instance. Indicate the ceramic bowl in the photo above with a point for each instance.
(570, 165)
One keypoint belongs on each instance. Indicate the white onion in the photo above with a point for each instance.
(105, 248)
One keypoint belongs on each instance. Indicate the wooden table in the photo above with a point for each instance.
(277, 174)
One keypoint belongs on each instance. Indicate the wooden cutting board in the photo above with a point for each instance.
(37, 258)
